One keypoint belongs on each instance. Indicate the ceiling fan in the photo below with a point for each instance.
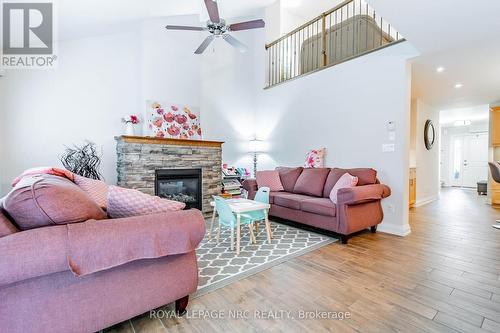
(218, 28)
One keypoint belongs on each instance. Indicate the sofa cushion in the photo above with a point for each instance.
(289, 200)
(289, 177)
(321, 206)
(366, 176)
(271, 196)
(311, 182)
(123, 202)
(43, 200)
(6, 227)
(269, 178)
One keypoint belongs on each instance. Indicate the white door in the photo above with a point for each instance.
(469, 159)
(475, 159)
(457, 160)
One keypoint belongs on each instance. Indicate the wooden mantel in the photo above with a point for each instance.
(167, 141)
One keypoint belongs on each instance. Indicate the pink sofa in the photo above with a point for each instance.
(84, 277)
(306, 199)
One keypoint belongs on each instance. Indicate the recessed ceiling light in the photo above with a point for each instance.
(458, 86)
(440, 69)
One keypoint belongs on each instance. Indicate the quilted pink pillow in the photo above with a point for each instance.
(315, 158)
(124, 202)
(269, 179)
(96, 189)
(346, 181)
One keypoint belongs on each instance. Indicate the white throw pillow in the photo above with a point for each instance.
(346, 181)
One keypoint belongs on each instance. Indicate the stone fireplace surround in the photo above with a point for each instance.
(138, 158)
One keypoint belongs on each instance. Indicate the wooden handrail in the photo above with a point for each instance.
(319, 17)
(344, 32)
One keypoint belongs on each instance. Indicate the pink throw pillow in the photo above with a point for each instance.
(96, 189)
(44, 171)
(315, 158)
(269, 179)
(46, 200)
(346, 181)
(124, 202)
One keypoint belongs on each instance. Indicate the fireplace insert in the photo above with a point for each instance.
(182, 185)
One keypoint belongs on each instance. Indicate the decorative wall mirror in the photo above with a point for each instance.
(429, 134)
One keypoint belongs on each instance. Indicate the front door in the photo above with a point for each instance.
(469, 159)
(475, 159)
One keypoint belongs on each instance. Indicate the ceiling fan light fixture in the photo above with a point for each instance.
(217, 27)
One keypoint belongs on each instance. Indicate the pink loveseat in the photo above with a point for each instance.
(84, 277)
(305, 199)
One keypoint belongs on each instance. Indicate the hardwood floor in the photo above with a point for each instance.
(444, 277)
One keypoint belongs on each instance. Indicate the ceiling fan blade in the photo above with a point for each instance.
(181, 27)
(247, 25)
(236, 43)
(213, 11)
(205, 44)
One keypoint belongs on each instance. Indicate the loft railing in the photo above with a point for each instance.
(345, 32)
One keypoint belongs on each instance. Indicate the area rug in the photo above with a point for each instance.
(219, 266)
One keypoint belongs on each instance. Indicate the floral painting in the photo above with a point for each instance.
(173, 121)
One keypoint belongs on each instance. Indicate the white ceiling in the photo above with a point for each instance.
(474, 114)
(83, 18)
(461, 35)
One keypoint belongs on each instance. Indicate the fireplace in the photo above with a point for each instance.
(182, 185)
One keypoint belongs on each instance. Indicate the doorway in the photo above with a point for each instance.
(464, 147)
(469, 159)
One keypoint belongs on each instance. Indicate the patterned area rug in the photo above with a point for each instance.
(219, 266)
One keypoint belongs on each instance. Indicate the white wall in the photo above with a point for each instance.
(228, 104)
(169, 69)
(427, 161)
(96, 83)
(325, 110)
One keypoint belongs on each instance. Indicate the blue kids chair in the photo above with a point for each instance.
(262, 195)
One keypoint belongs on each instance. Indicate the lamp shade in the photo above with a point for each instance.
(256, 146)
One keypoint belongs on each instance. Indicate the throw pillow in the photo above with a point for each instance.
(96, 189)
(44, 200)
(44, 171)
(124, 202)
(346, 181)
(315, 158)
(269, 179)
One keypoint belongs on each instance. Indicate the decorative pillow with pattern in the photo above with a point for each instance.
(269, 179)
(96, 189)
(315, 158)
(124, 202)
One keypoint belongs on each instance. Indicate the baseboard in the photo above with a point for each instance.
(425, 201)
(398, 230)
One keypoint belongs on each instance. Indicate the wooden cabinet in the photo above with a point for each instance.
(495, 152)
(495, 126)
(413, 186)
